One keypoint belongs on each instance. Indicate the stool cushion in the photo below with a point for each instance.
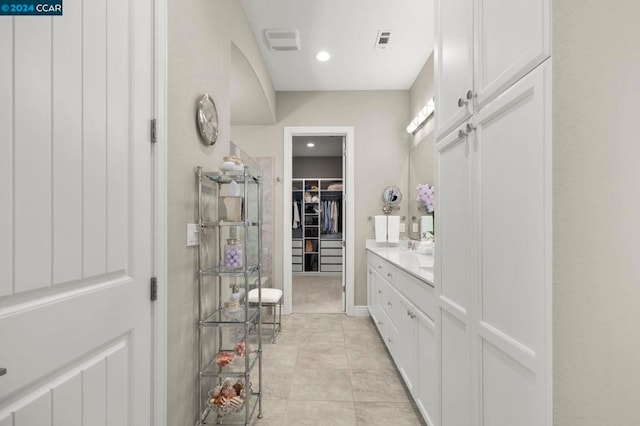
(269, 295)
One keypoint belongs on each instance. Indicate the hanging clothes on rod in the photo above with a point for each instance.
(296, 215)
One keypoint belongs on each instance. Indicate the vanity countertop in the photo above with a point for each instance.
(417, 264)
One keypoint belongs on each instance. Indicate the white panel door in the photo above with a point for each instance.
(453, 62)
(511, 39)
(75, 216)
(514, 159)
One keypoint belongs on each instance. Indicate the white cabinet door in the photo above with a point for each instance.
(514, 191)
(453, 62)
(427, 398)
(511, 39)
(454, 277)
(409, 346)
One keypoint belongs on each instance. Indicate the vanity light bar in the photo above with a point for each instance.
(422, 117)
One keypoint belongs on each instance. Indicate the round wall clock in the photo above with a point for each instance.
(207, 118)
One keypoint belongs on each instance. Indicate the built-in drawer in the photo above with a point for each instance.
(331, 251)
(296, 243)
(419, 293)
(331, 268)
(296, 251)
(390, 303)
(330, 259)
(296, 259)
(331, 244)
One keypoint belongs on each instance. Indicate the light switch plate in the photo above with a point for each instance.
(414, 227)
(192, 234)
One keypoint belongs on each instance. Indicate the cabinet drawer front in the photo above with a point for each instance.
(331, 268)
(296, 259)
(296, 243)
(420, 294)
(331, 244)
(378, 264)
(332, 252)
(335, 260)
(296, 268)
(391, 303)
(296, 252)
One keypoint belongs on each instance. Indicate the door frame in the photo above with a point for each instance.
(159, 217)
(349, 236)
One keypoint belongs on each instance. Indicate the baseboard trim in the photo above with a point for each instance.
(360, 311)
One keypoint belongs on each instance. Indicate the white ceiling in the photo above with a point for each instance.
(324, 146)
(347, 29)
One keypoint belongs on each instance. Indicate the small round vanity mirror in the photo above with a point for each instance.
(391, 195)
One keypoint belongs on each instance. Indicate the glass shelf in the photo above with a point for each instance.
(235, 369)
(227, 177)
(223, 271)
(209, 416)
(220, 223)
(220, 318)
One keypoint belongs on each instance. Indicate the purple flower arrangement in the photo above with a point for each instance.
(426, 195)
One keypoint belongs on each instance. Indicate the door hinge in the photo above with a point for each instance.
(154, 289)
(153, 130)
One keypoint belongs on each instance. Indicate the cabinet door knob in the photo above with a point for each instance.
(462, 102)
(3, 371)
(389, 303)
(470, 94)
(389, 340)
(462, 134)
(379, 267)
(379, 291)
(389, 274)
(470, 128)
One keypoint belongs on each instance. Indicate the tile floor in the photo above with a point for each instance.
(317, 294)
(331, 369)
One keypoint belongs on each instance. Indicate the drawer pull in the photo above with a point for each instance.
(379, 322)
(379, 267)
(379, 291)
(389, 340)
(3, 371)
(389, 303)
(389, 274)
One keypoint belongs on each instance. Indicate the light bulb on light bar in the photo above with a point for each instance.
(423, 115)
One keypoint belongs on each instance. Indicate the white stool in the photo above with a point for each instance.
(271, 297)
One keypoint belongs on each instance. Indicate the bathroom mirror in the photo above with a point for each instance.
(391, 197)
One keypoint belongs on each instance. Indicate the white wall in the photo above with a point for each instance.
(596, 80)
(200, 33)
(381, 154)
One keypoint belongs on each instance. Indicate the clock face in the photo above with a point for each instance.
(207, 117)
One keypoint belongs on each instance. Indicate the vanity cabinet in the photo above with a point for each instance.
(482, 48)
(407, 328)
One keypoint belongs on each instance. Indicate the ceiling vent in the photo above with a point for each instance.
(283, 40)
(382, 40)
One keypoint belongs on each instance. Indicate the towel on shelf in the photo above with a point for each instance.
(393, 229)
(381, 229)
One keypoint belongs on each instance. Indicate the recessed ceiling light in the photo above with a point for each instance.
(311, 144)
(323, 56)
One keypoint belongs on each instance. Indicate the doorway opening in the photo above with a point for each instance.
(318, 220)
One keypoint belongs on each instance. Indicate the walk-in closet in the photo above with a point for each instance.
(317, 224)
